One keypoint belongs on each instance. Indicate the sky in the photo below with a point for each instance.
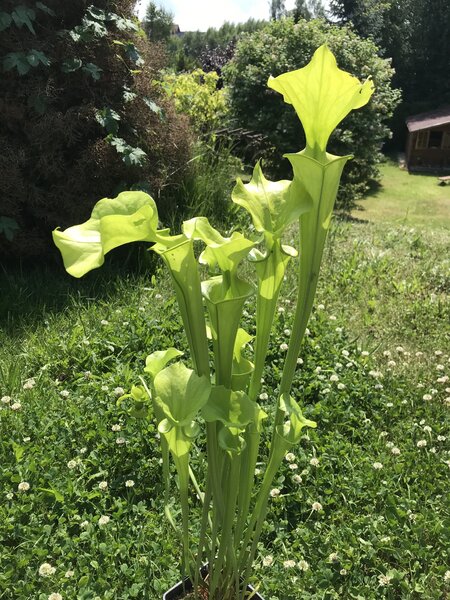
(193, 15)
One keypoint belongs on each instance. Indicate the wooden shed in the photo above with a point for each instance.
(428, 143)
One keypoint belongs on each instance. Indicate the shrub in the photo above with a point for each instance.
(283, 46)
(196, 95)
(80, 116)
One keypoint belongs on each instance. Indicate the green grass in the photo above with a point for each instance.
(380, 325)
(408, 199)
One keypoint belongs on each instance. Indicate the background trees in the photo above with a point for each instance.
(80, 116)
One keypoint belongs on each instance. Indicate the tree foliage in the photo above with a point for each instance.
(80, 115)
(416, 35)
(158, 23)
(254, 108)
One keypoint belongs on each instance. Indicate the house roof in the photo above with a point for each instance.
(434, 118)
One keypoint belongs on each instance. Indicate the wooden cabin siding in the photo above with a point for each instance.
(422, 155)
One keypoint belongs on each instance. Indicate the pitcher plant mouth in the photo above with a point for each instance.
(217, 393)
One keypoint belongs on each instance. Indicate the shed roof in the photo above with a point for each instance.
(440, 116)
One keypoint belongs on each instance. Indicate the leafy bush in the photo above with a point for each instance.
(80, 116)
(196, 95)
(282, 46)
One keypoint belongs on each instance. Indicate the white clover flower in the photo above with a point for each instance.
(341, 386)
(400, 349)
(118, 391)
(314, 462)
(438, 352)
(317, 370)
(29, 384)
(83, 450)
(343, 572)
(104, 388)
(364, 353)
(104, 520)
(332, 318)
(120, 441)
(129, 483)
(427, 397)
(69, 574)
(421, 443)
(378, 386)
(377, 466)
(349, 364)
(299, 361)
(289, 564)
(345, 353)
(443, 379)
(395, 451)
(104, 322)
(384, 434)
(367, 421)
(283, 347)
(72, 464)
(46, 570)
(420, 385)
(281, 309)
(440, 368)
(441, 438)
(26, 439)
(297, 479)
(316, 506)
(293, 466)
(321, 307)
(287, 332)
(385, 539)
(427, 429)
(389, 404)
(333, 557)
(64, 393)
(125, 323)
(303, 565)
(158, 296)
(268, 561)
(141, 309)
(307, 332)
(16, 406)
(9, 496)
(334, 377)
(55, 596)
(258, 471)
(23, 486)
(264, 396)
(419, 354)
(116, 427)
(375, 374)
(275, 492)
(392, 363)
(387, 353)
(389, 444)
(447, 576)
(433, 450)
(290, 457)
(103, 485)
(84, 524)
(384, 579)
(339, 329)
(6, 399)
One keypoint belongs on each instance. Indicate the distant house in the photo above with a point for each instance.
(176, 30)
(428, 144)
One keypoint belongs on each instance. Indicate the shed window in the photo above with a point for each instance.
(446, 140)
(422, 140)
(435, 139)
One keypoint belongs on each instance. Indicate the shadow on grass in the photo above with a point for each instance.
(30, 291)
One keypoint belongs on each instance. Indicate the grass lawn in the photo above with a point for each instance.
(408, 199)
(375, 377)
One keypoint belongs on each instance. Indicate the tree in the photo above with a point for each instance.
(80, 116)
(158, 23)
(277, 9)
(255, 108)
(307, 9)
